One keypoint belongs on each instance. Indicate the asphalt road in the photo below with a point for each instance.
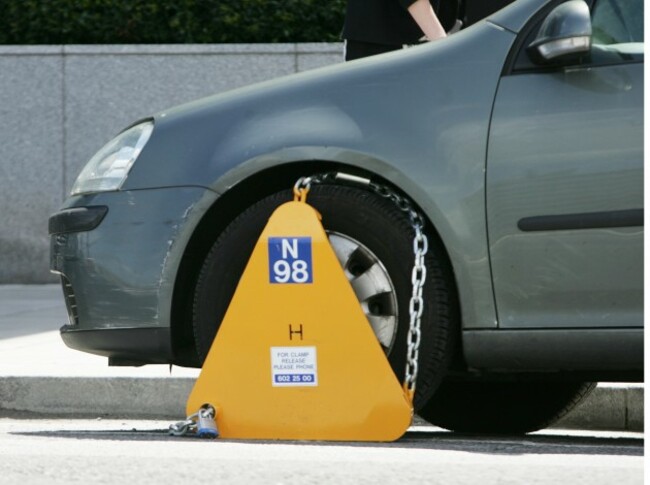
(133, 452)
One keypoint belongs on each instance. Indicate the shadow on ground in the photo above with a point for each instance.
(538, 444)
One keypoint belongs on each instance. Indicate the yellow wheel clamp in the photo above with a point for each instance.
(295, 357)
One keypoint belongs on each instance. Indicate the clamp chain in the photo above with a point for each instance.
(419, 272)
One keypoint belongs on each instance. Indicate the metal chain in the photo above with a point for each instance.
(192, 424)
(185, 427)
(418, 274)
(418, 278)
(303, 184)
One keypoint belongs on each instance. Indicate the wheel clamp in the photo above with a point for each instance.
(295, 357)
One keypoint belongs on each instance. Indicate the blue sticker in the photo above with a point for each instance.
(294, 378)
(290, 260)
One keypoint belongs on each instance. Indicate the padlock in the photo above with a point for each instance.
(206, 422)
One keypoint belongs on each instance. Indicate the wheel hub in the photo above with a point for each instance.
(371, 284)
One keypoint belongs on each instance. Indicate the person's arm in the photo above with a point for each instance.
(426, 18)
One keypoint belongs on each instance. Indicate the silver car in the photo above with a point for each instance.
(520, 142)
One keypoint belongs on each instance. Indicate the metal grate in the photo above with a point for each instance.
(70, 301)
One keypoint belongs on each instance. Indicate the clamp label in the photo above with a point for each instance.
(290, 260)
(294, 367)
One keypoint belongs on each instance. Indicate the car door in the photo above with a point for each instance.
(564, 183)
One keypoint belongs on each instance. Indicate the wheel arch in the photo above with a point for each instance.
(239, 189)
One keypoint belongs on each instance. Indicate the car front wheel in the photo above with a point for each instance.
(373, 240)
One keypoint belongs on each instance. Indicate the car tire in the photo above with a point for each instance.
(384, 237)
(502, 407)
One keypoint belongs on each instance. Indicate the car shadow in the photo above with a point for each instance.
(434, 439)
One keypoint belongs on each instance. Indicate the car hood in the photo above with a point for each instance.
(360, 106)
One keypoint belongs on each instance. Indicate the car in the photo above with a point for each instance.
(519, 140)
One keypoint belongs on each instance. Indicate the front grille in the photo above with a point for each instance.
(70, 301)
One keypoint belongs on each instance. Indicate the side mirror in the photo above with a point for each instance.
(565, 34)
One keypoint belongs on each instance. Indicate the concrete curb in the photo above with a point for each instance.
(106, 397)
(612, 408)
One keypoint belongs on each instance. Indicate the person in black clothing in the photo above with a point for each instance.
(377, 26)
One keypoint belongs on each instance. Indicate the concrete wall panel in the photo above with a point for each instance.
(60, 104)
(31, 161)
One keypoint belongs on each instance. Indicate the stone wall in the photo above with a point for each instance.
(60, 104)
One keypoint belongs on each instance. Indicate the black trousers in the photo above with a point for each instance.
(356, 50)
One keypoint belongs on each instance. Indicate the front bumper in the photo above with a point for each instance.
(118, 254)
(122, 345)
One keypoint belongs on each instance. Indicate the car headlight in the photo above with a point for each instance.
(108, 169)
